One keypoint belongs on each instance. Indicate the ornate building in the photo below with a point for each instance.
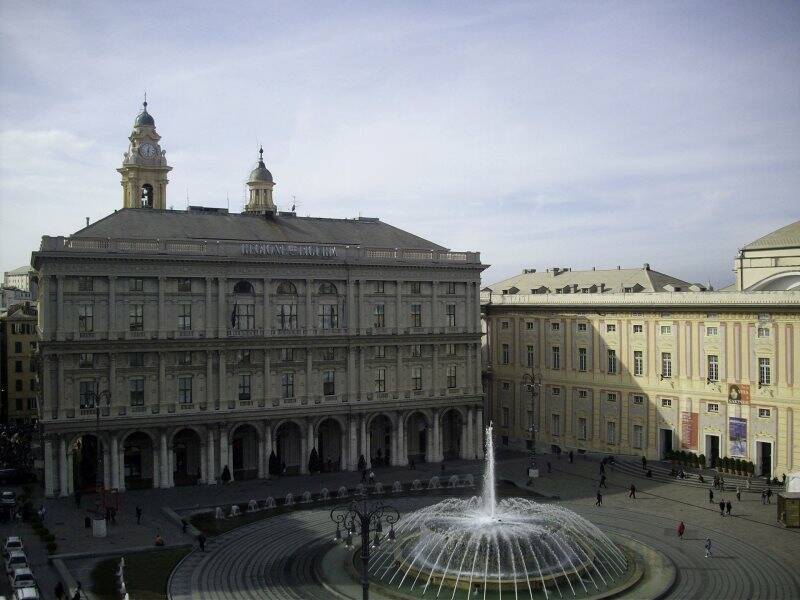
(224, 338)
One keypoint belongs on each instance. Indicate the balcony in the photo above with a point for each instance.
(86, 335)
(245, 333)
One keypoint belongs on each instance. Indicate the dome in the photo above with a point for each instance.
(144, 119)
(260, 174)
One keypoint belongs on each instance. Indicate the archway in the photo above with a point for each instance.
(138, 461)
(288, 447)
(244, 448)
(329, 445)
(147, 196)
(186, 447)
(380, 441)
(84, 463)
(416, 437)
(451, 434)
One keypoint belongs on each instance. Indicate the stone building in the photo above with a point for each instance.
(715, 373)
(19, 278)
(18, 371)
(222, 338)
(771, 262)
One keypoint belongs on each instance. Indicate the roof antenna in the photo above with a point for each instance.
(145, 100)
(294, 202)
(87, 221)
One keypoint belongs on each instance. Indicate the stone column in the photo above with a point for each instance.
(468, 380)
(312, 443)
(222, 320)
(121, 467)
(106, 467)
(164, 461)
(59, 307)
(267, 370)
(343, 453)
(112, 306)
(430, 448)
(398, 315)
(399, 379)
(267, 315)
(469, 443)
(309, 306)
(261, 460)
(468, 321)
(435, 370)
(351, 309)
(352, 390)
(352, 454)
(464, 437)
(162, 379)
(112, 380)
(437, 435)
(393, 448)
(114, 462)
(224, 455)
(362, 374)
(162, 315)
(309, 375)
(402, 452)
(479, 433)
(209, 378)
(364, 440)
(360, 309)
(207, 311)
(49, 475)
(267, 448)
(304, 449)
(211, 476)
(435, 306)
(223, 397)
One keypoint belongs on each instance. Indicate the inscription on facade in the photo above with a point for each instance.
(288, 250)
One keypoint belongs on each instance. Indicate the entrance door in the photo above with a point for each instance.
(764, 458)
(666, 442)
(712, 450)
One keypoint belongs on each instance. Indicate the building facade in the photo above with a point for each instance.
(714, 373)
(18, 372)
(222, 339)
(771, 262)
(19, 278)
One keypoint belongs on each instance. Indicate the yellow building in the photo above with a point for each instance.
(771, 262)
(19, 345)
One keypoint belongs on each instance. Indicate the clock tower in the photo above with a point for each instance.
(144, 166)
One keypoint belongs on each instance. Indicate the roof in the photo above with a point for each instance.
(138, 223)
(23, 270)
(558, 280)
(785, 237)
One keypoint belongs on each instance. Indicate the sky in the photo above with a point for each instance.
(572, 134)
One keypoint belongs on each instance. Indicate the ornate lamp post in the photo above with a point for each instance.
(529, 383)
(98, 400)
(359, 517)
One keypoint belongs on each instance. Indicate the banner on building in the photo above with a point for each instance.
(689, 429)
(738, 393)
(737, 433)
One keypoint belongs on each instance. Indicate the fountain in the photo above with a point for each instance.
(397, 487)
(516, 548)
(269, 503)
(324, 495)
(306, 498)
(289, 499)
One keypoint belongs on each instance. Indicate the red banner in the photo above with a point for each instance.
(689, 429)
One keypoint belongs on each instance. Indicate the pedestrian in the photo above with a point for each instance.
(371, 477)
(681, 529)
(364, 476)
(602, 467)
(700, 478)
(748, 483)
(549, 468)
(183, 525)
(650, 473)
(708, 547)
(763, 496)
(113, 515)
(728, 507)
(738, 494)
(603, 481)
(59, 591)
(571, 456)
(632, 493)
(201, 541)
(644, 463)
(722, 508)
(599, 499)
(138, 515)
(710, 495)
(769, 495)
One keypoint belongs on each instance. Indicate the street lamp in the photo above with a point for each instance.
(98, 399)
(529, 383)
(359, 517)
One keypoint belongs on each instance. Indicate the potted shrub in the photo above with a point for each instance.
(702, 460)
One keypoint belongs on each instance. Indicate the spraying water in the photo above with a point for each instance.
(489, 494)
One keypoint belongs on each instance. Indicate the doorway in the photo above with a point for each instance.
(712, 450)
(665, 439)
(764, 458)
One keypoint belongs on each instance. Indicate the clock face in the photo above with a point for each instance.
(147, 150)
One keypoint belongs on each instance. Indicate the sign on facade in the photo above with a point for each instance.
(738, 393)
(309, 250)
(689, 429)
(737, 433)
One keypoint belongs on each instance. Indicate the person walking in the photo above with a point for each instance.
(763, 496)
(571, 456)
(201, 541)
(138, 515)
(738, 494)
(599, 499)
(722, 508)
(728, 507)
(710, 495)
(602, 467)
(603, 481)
(708, 547)
(632, 493)
(681, 529)
(644, 463)
(769, 495)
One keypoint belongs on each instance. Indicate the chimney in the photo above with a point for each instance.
(87, 221)
(646, 266)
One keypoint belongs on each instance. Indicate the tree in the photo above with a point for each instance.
(313, 461)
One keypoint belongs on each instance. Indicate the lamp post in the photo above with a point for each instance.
(530, 383)
(359, 517)
(98, 399)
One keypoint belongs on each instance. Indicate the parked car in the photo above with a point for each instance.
(22, 578)
(13, 542)
(27, 593)
(8, 498)
(16, 559)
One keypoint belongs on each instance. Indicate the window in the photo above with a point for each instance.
(329, 383)
(184, 390)
(287, 385)
(503, 324)
(416, 287)
(185, 317)
(18, 386)
(556, 358)
(582, 358)
(32, 385)
(327, 288)
(638, 363)
(243, 287)
(244, 316)
(86, 393)
(416, 350)
(555, 326)
(763, 332)
(627, 290)
(380, 316)
(505, 416)
(17, 366)
(416, 378)
(330, 353)
(666, 329)
(18, 347)
(504, 356)
(287, 316)
(611, 328)
(135, 284)
(85, 284)
(611, 432)
(451, 376)
(18, 404)
(638, 435)
(86, 318)
(611, 396)
(185, 358)
(380, 287)
(583, 393)
(713, 367)
(31, 403)
(85, 361)
(529, 325)
(612, 361)
(244, 387)
(185, 285)
(581, 428)
(638, 399)
(451, 349)
(136, 391)
(287, 354)
(666, 365)
(712, 407)
(764, 375)
(712, 331)
(380, 380)
(582, 327)
(136, 317)
(286, 288)
(666, 403)
(451, 287)
(555, 426)
(764, 413)
(416, 315)
(451, 315)
(638, 329)
(506, 385)
(530, 356)
(136, 359)
(380, 351)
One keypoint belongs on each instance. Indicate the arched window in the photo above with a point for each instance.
(327, 288)
(147, 196)
(243, 287)
(286, 288)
